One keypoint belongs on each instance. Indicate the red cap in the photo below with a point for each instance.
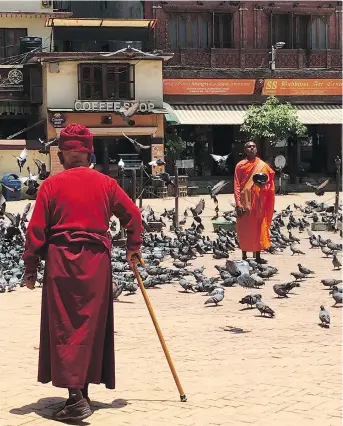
(76, 137)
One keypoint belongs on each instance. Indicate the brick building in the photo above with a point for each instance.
(221, 66)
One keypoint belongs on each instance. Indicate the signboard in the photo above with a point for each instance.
(302, 87)
(157, 153)
(55, 165)
(185, 164)
(174, 86)
(57, 120)
(111, 106)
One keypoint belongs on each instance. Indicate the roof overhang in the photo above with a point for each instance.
(92, 56)
(52, 15)
(118, 131)
(95, 22)
(235, 114)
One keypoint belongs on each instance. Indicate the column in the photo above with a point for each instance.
(106, 162)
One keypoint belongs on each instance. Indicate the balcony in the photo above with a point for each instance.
(257, 58)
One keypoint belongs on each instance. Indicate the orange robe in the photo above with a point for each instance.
(253, 226)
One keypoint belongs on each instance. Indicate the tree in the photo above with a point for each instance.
(273, 121)
(174, 146)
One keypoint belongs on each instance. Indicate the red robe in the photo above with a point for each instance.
(69, 229)
(253, 226)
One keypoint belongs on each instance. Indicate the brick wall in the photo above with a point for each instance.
(251, 32)
(55, 165)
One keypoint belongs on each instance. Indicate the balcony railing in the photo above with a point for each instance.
(257, 58)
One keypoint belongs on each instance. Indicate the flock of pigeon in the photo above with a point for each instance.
(183, 244)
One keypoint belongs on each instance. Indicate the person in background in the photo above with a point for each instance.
(254, 203)
(92, 161)
(69, 229)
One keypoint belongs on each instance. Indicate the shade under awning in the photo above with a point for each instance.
(118, 131)
(234, 114)
(320, 114)
(95, 22)
(208, 114)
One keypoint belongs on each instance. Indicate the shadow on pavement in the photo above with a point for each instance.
(45, 407)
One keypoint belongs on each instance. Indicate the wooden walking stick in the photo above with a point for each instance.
(158, 330)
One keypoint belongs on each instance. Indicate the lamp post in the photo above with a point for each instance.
(278, 45)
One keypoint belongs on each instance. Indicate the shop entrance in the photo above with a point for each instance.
(223, 138)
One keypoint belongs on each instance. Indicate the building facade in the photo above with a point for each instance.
(221, 65)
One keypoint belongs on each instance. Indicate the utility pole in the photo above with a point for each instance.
(141, 190)
(134, 186)
(176, 195)
(122, 182)
(338, 181)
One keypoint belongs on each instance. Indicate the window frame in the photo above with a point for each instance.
(4, 48)
(130, 90)
(221, 29)
(200, 18)
(177, 17)
(294, 26)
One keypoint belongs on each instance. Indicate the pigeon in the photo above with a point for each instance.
(117, 290)
(127, 112)
(331, 283)
(138, 147)
(298, 275)
(336, 295)
(157, 162)
(199, 208)
(42, 172)
(186, 285)
(21, 160)
(324, 317)
(283, 289)
(304, 270)
(166, 178)
(327, 251)
(221, 160)
(215, 299)
(45, 145)
(2, 205)
(214, 191)
(250, 299)
(121, 164)
(336, 263)
(318, 190)
(264, 309)
(294, 250)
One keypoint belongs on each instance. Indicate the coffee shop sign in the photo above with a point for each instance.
(112, 106)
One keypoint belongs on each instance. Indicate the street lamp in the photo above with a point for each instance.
(278, 45)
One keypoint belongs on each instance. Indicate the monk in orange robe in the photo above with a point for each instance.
(254, 203)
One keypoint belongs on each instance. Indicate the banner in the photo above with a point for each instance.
(210, 86)
(302, 87)
(157, 153)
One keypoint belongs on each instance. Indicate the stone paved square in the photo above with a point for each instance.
(284, 371)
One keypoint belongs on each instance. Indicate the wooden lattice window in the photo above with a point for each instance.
(10, 42)
(105, 82)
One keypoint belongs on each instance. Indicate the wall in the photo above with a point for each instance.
(23, 6)
(34, 24)
(62, 87)
(101, 9)
(8, 163)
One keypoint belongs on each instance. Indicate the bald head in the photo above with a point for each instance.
(250, 150)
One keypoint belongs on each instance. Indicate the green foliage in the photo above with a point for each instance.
(273, 121)
(174, 146)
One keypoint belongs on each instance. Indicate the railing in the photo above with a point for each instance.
(257, 58)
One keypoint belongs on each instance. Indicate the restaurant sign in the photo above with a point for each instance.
(111, 106)
(208, 86)
(302, 87)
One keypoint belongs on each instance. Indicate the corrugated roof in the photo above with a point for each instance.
(210, 114)
(320, 114)
(234, 114)
(95, 22)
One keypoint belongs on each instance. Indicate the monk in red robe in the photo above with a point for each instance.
(69, 229)
(254, 203)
